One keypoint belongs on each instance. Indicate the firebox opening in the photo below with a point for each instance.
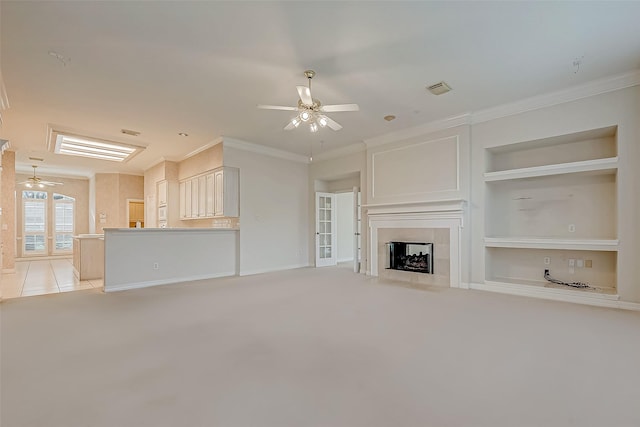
(410, 256)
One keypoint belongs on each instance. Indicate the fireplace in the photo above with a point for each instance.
(437, 222)
(410, 256)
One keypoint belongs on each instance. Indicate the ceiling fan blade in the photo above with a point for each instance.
(305, 95)
(339, 107)
(290, 126)
(277, 107)
(332, 123)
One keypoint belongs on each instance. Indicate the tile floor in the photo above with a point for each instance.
(38, 277)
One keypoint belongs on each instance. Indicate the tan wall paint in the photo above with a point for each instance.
(208, 159)
(106, 201)
(7, 193)
(76, 188)
(130, 187)
(173, 172)
(151, 178)
(112, 192)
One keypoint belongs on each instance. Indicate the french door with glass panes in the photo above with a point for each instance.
(63, 206)
(34, 223)
(326, 229)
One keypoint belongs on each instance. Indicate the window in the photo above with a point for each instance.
(34, 211)
(63, 207)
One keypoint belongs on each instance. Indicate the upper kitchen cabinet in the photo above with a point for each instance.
(212, 194)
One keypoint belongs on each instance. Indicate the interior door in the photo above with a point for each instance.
(326, 230)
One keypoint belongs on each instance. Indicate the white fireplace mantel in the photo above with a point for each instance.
(433, 214)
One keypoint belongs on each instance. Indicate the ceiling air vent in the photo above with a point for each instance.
(130, 132)
(439, 88)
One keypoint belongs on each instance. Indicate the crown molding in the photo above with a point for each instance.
(447, 123)
(358, 147)
(261, 149)
(596, 87)
(50, 172)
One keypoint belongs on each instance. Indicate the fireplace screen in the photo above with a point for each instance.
(409, 256)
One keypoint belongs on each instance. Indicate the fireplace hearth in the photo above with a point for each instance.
(410, 256)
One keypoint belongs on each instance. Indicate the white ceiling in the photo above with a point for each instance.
(201, 67)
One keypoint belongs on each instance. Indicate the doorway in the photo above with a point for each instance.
(338, 222)
(135, 213)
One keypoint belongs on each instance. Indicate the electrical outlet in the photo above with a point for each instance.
(580, 263)
(156, 266)
(572, 262)
(547, 260)
(572, 228)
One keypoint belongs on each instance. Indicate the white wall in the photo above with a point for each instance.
(344, 202)
(180, 255)
(427, 166)
(274, 211)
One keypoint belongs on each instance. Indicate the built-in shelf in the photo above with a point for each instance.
(551, 288)
(551, 204)
(606, 165)
(539, 243)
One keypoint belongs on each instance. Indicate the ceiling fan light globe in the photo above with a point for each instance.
(295, 121)
(323, 121)
(41, 185)
(305, 116)
(313, 127)
(28, 185)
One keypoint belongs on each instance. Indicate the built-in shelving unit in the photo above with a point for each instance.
(535, 243)
(603, 166)
(552, 204)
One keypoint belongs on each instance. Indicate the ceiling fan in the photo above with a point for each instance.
(35, 181)
(311, 110)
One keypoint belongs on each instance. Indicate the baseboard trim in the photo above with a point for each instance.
(272, 270)
(149, 283)
(599, 300)
(346, 260)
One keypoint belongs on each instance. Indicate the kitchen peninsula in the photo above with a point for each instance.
(88, 256)
(142, 257)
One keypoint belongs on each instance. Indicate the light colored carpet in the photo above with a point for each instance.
(315, 347)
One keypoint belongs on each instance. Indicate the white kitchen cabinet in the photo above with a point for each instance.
(187, 199)
(210, 195)
(226, 189)
(194, 198)
(163, 193)
(182, 200)
(168, 209)
(202, 196)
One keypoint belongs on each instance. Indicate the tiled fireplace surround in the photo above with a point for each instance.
(437, 222)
